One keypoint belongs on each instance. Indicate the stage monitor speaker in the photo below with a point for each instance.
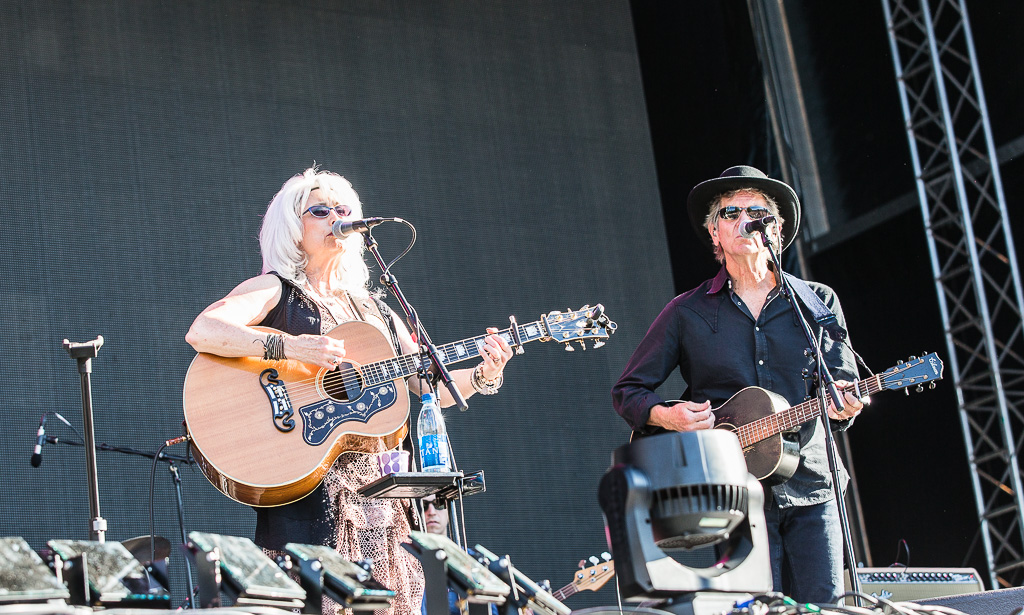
(901, 584)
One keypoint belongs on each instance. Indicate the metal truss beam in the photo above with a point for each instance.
(973, 258)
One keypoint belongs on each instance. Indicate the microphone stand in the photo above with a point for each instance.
(84, 353)
(826, 390)
(427, 346)
(175, 479)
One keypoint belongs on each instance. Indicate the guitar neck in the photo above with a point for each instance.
(406, 365)
(565, 592)
(766, 427)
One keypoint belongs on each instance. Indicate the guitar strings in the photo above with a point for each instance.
(767, 426)
(306, 391)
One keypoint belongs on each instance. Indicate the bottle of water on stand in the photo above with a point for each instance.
(433, 437)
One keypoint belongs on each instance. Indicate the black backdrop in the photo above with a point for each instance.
(141, 142)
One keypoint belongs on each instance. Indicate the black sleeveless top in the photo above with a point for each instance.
(307, 521)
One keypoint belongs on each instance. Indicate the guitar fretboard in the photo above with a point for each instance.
(766, 427)
(408, 364)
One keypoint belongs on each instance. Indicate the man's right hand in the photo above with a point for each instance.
(683, 416)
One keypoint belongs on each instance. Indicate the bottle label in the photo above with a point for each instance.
(434, 451)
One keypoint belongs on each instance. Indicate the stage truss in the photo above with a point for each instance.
(973, 258)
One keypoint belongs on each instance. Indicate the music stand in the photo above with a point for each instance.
(25, 577)
(323, 570)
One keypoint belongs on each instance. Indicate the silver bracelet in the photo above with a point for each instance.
(482, 385)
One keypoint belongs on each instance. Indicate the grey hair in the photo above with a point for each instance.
(281, 232)
(716, 204)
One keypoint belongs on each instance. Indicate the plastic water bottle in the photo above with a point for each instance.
(433, 437)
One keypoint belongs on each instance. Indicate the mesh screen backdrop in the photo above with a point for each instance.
(140, 145)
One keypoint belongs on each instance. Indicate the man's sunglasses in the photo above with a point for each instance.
(322, 211)
(754, 212)
(437, 504)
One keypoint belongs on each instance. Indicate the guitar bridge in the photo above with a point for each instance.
(280, 405)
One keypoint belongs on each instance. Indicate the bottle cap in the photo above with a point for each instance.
(428, 398)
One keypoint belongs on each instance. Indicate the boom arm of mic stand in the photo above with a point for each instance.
(389, 280)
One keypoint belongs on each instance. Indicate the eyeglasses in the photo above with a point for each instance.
(437, 504)
(754, 212)
(322, 211)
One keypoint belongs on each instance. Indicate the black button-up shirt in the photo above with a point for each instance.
(718, 346)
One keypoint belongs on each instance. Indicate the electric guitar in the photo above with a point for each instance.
(592, 578)
(266, 432)
(758, 417)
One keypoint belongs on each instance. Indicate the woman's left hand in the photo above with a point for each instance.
(496, 353)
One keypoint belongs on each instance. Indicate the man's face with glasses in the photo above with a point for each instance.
(734, 211)
(435, 515)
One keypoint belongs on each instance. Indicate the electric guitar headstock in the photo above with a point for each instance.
(593, 577)
(578, 325)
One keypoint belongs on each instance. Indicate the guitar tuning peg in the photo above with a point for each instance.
(606, 556)
(583, 345)
(583, 563)
(906, 391)
(900, 362)
(569, 348)
(594, 560)
(912, 358)
(920, 388)
(931, 385)
(600, 343)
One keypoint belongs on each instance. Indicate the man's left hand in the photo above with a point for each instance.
(852, 408)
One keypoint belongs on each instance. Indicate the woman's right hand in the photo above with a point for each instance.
(319, 350)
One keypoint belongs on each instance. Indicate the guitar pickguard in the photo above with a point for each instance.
(321, 418)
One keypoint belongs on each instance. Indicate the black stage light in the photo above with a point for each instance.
(676, 492)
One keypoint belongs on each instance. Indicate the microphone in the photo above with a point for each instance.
(750, 227)
(344, 228)
(37, 454)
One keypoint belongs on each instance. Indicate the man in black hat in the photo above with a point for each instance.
(735, 331)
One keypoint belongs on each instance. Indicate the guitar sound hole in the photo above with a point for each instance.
(342, 384)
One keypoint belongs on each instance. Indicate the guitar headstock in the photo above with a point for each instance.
(594, 577)
(915, 371)
(582, 324)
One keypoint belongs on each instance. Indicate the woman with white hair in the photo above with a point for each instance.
(313, 281)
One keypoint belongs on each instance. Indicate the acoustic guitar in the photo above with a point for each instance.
(759, 417)
(266, 432)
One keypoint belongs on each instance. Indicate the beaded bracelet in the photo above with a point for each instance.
(484, 386)
(273, 347)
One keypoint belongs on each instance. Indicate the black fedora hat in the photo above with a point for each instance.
(737, 178)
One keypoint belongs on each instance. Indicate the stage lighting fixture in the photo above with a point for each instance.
(446, 565)
(243, 571)
(322, 570)
(676, 492)
(24, 576)
(105, 574)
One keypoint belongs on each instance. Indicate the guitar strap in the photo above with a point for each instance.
(389, 318)
(819, 311)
